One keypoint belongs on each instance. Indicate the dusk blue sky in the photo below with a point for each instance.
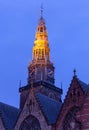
(67, 24)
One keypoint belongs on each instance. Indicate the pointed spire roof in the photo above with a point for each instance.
(41, 20)
(41, 55)
(84, 86)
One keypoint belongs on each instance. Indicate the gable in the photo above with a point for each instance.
(32, 109)
(75, 92)
(74, 99)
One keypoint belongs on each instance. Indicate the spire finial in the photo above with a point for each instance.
(42, 10)
(74, 72)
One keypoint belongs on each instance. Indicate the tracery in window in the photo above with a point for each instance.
(71, 122)
(30, 123)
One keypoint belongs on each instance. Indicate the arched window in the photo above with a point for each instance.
(30, 123)
(39, 51)
(34, 52)
(71, 122)
(41, 29)
(51, 95)
(42, 53)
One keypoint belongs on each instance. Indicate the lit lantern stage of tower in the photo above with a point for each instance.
(41, 68)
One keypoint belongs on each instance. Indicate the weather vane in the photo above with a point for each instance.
(41, 9)
(74, 72)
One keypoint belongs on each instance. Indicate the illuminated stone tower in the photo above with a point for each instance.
(40, 99)
(41, 68)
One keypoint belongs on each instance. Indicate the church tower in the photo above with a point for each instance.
(40, 99)
(41, 68)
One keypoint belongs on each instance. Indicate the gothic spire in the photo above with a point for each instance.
(41, 50)
(41, 67)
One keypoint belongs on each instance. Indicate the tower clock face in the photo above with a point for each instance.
(50, 73)
(30, 123)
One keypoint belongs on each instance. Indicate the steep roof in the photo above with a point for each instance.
(9, 115)
(84, 86)
(49, 107)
